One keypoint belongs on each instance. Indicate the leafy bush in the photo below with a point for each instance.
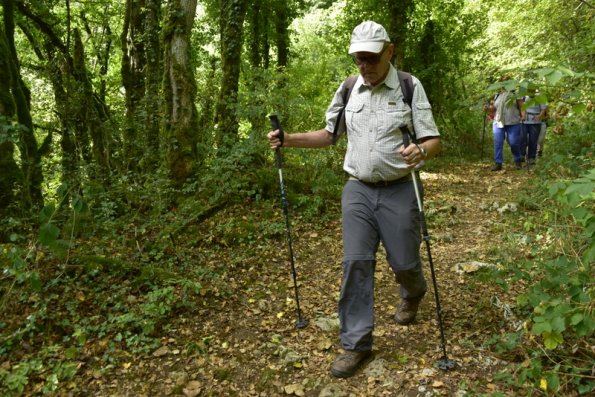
(558, 305)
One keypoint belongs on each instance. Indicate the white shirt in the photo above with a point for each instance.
(372, 117)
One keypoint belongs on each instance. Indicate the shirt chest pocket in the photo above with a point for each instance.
(355, 120)
(392, 116)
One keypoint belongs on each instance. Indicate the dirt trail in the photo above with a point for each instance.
(246, 344)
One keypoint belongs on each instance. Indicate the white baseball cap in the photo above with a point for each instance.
(368, 37)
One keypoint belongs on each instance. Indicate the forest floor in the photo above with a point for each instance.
(238, 337)
(248, 344)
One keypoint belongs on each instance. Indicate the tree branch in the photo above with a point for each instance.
(586, 3)
(44, 27)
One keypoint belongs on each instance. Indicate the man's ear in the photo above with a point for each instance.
(391, 50)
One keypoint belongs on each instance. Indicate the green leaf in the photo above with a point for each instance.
(554, 77)
(544, 72)
(62, 190)
(48, 234)
(566, 71)
(579, 108)
(556, 187)
(551, 340)
(510, 85)
(71, 352)
(558, 324)
(46, 213)
(576, 318)
(78, 204)
(494, 86)
(553, 381)
(541, 99)
(35, 281)
(541, 328)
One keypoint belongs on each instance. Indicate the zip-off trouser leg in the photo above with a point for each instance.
(372, 215)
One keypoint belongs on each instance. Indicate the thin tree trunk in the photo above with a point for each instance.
(153, 76)
(133, 77)
(256, 26)
(181, 127)
(231, 27)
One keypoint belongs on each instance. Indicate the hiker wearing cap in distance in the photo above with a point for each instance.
(378, 200)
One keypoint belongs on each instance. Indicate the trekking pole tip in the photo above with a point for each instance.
(301, 323)
(446, 364)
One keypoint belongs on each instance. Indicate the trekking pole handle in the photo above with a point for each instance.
(276, 124)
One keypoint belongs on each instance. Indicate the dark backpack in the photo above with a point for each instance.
(406, 86)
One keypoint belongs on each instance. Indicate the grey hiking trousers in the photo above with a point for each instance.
(371, 215)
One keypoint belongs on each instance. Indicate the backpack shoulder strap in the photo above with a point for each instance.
(406, 86)
(406, 83)
(345, 94)
(347, 87)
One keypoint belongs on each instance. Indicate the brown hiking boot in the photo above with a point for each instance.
(406, 311)
(347, 363)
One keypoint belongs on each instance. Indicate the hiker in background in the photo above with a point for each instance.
(378, 200)
(507, 125)
(533, 116)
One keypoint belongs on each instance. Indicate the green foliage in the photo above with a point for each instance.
(558, 303)
(53, 371)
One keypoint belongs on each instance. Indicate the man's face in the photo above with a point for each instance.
(374, 67)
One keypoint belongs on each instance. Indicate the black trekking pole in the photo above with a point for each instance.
(483, 133)
(301, 322)
(445, 363)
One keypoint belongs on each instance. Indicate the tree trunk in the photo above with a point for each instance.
(181, 127)
(400, 11)
(10, 174)
(153, 79)
(27, 143)
(282, 35)
(255, 18)
(133, 78)
(231, 28)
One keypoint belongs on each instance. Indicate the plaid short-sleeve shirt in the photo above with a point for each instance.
(372, 118)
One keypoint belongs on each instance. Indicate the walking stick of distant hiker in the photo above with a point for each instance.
(483, 133)
(445, 363)
(301, 322)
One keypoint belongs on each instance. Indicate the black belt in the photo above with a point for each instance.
(404, 179)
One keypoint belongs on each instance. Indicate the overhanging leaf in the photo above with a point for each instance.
(554, 77)
(48, 233)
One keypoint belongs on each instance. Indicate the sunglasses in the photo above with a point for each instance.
(369, 59)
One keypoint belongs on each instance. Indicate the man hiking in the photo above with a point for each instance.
(378, 201)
